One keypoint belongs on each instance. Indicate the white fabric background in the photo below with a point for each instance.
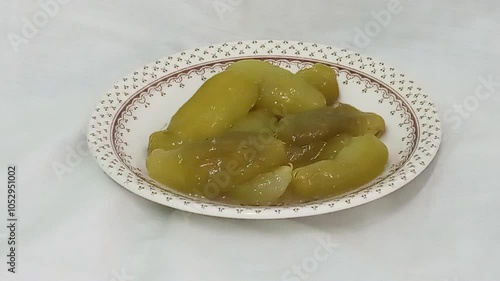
(82, 226)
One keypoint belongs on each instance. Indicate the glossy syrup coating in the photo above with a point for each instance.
(361, 161)
(255, 70)
(219, 103)
(324, 123)
(265, 189)
(322, 78)
(256, 121)
(372, 124)
(281, 92)
(164, 140)
(215, 107)
(333, 146)
(211, 167)
(300, 156)
(284, 93)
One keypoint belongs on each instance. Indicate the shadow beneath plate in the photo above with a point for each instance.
(374, 211)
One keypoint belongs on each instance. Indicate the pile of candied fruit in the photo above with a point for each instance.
(259, 135)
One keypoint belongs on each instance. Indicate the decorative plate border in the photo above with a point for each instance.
(104, 141)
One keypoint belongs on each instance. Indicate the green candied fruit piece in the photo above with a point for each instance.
(358, 163)
(219, 103)
(324, 79)
(211, 167)
(256, 121)
(324, 123)
(264, 189)
(284, 93)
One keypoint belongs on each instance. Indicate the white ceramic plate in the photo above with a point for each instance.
(144, 101)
